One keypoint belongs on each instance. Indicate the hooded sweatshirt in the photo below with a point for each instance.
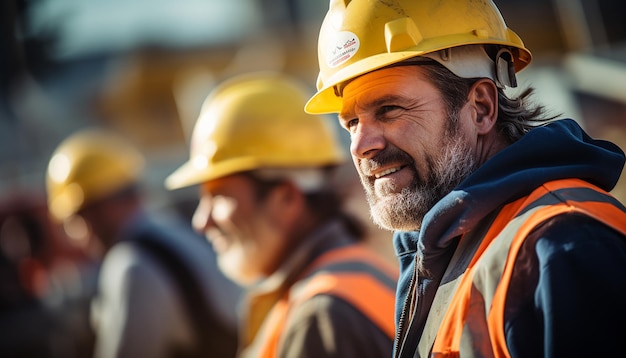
(558, 150)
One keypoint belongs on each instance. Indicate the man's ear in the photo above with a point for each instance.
(285, 200)
(483, 97)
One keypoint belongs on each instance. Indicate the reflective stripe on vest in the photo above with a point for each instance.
(353, 273)
(474, 320)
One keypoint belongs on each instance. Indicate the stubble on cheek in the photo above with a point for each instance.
(405, 209)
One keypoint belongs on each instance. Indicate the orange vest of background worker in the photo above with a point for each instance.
(270, 207)
(348, 273)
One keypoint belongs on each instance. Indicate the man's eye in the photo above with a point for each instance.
(389, 109)
(351, 123)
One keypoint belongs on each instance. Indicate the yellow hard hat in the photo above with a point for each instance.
(89, 165)
(255, 121)
(359, 36)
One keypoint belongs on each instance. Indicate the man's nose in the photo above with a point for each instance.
(201, 219)
(367, 140)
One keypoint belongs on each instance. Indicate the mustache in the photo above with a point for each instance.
(384, 158)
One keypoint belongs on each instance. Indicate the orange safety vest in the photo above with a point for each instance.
(482, 289)
(353, 273)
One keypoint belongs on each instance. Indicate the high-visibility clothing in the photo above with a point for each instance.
(354, 274)
(474, 321)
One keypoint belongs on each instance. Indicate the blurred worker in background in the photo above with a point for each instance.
(269, 206)
(508, 240)
(160, 293)
(44, 306)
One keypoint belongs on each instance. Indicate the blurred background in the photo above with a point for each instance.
(143, 67)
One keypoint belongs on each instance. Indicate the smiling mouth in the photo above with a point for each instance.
(387, 172)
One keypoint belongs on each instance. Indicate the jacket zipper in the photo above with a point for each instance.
(406, 308)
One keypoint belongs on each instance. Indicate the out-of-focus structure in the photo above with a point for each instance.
(142, 67)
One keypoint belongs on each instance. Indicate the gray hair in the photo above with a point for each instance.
(516, 115)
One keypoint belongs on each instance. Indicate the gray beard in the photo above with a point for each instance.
(405, 211)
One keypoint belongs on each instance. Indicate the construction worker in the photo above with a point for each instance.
(508, 240)
(160, 293)
(269, 206)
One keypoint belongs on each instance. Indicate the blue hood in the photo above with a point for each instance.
(558, 150)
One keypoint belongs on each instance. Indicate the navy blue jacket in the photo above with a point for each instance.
(570, 297)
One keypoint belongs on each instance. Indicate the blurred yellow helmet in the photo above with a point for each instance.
(87, 166)
(359, 36)
(256, 121)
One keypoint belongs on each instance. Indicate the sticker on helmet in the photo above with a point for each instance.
(345, 46)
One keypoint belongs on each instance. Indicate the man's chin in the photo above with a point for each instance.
(392, 213)
(391, 218)
(390, 225)
(239, 273)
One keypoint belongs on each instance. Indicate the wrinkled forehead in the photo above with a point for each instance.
(388, 84)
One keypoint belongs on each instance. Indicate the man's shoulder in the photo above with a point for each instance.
(354, 258)
(127, 260)
(575, 241)
(577, 230)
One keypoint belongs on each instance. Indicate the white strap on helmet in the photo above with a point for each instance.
(471, 61)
